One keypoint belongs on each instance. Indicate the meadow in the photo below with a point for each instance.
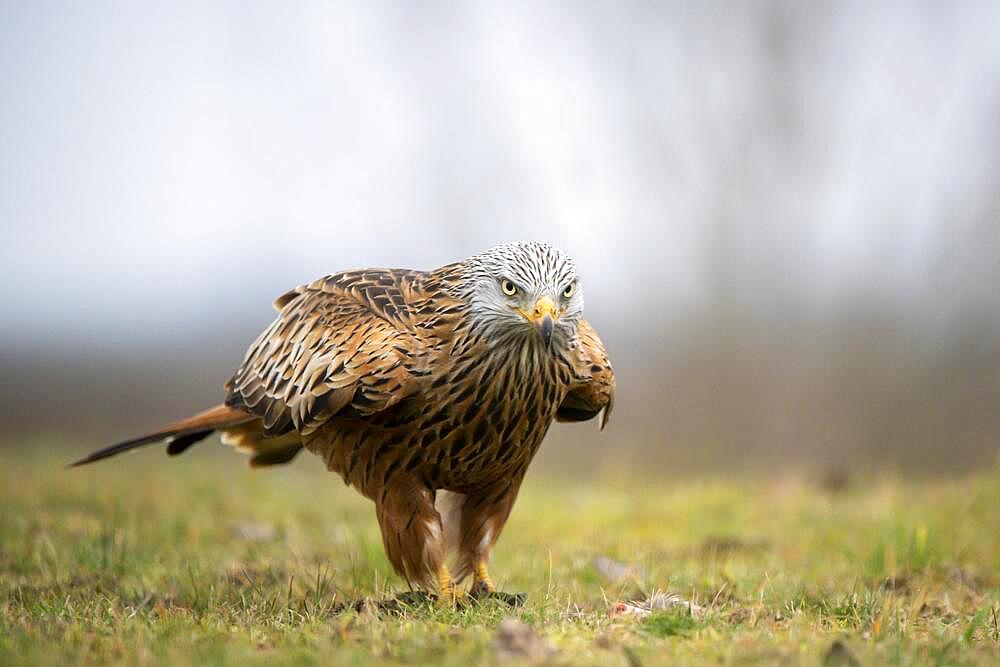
(199, 559)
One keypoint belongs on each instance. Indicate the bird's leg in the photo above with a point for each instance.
(484, 513)
(448, 591)
(483, 587)
(413, 536)
(481, 582)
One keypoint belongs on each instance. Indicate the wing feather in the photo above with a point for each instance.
(343, 341)
(594, 392)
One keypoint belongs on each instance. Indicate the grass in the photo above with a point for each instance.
(201, 560)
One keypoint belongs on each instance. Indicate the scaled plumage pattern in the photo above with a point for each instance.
(428, 392)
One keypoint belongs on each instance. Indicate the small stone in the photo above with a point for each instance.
(840, 656)
(519, 641)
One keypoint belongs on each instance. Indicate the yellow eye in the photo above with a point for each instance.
(508, 287)
(570, 290)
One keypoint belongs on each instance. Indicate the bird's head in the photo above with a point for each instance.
(524, 289)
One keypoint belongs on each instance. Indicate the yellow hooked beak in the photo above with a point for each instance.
(543, 316)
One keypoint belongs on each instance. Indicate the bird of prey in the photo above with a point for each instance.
(428, 392)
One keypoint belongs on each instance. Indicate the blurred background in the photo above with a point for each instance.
(786, 215)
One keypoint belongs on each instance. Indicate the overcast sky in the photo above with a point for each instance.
(167, 167)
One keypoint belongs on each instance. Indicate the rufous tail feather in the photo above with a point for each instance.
(181, 434)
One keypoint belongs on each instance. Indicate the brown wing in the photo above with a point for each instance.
(595, 391)
(340, 343)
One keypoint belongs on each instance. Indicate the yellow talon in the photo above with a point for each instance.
(482, 578)
(449, 593)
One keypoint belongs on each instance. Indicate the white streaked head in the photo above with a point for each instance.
(524, 289)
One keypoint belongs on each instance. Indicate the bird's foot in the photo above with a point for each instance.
(480, 592)
(483, 588)
(412, 600)
(449, 593)
(510, 599)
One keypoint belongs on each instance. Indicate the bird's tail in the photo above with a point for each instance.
(180, 435)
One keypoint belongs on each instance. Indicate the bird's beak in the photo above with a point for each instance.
(544, 316)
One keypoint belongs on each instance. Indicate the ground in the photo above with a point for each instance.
(145, 559)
